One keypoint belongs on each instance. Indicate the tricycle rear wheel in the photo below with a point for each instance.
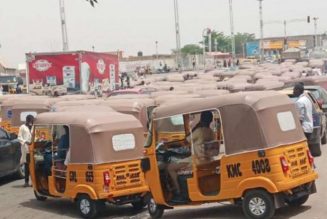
(155, 211)
(87, 207)
(258, 204)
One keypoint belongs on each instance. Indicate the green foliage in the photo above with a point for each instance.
(223, 43)
(241, 39)
(192, 49)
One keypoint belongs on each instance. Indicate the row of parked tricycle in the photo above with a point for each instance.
(246, 148)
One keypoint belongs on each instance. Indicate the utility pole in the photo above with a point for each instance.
(157, 56)
(231, 16)
(216, 45)
(178, 37)
(63, 25)
(261, 31)
(316, 32)
(205, 33)
(209, 42)
(285, 35)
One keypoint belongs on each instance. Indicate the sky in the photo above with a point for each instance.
(135, 25)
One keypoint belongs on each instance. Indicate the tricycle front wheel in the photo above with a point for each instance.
(39, 197)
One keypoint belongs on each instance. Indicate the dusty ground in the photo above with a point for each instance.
(19, 202)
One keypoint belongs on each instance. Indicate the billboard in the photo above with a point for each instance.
(296, 43)
(74, 70)
(252, 48)
(96, 67)
(52, 69)
(273, 44)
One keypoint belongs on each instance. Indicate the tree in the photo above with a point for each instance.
(92, 2)
(241, 39)
(221, 42)
(192, 49)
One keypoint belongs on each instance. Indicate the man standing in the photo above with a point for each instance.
(304, 108)
(25, 137)
(193, 63)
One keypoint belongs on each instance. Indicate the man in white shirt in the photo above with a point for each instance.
(304, 108)
(25, 138)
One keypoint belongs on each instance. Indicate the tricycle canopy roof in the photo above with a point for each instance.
(100, 137)
(80, 103)
(250, 120)
(26, 99)
(84, 108)
(21, 110)
(76, 97)
(135, 107)
(20, 105)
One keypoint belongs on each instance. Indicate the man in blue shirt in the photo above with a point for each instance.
(63, 144)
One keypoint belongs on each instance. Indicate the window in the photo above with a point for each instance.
(171, 124)
(206, 135)
(167, 128)
(23, 115)
(286, 121)
(42, 133)
(177, 120)
(123, 142)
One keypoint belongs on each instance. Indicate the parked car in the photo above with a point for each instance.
(319, 123)
(320, 95)
(10, 155)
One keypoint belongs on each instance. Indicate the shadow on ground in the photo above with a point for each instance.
(67, 208)
(8, 179)
(229, 211)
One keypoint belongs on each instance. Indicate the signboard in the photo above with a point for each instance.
(69, 76)
(99, 66)
(252, 48)
(75, 70)
(52, 80)
(52, 68)
(273, 44)
(296, 43)
(112, 75)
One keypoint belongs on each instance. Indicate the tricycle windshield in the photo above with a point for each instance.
(170, 127)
